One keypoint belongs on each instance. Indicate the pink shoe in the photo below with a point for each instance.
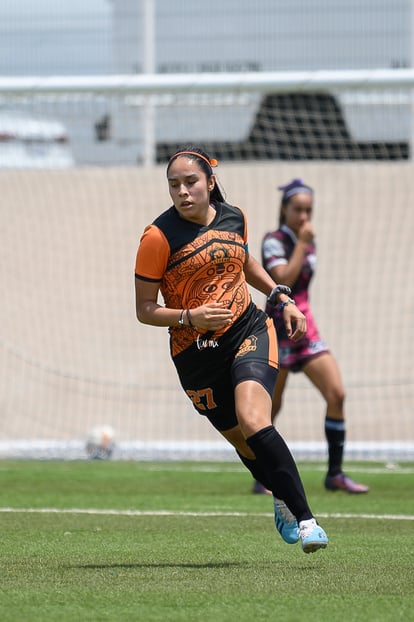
(259, 489)
(345, 483)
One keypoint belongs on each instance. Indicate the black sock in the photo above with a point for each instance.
(335, 435)
(276, 461)
(256, 470)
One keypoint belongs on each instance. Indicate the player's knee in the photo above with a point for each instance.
(336, 398)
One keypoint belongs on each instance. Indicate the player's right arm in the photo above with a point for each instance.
(147, 308)
(151, 263)
(212, 316)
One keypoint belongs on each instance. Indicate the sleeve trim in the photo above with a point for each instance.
(145, 278)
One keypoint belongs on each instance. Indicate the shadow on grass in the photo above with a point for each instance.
(305, 567)
(160, 565)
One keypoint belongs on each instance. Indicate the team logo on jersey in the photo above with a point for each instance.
(219, 255)
(248, 345)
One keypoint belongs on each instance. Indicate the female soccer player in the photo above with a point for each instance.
(224, 348)
(288, 255)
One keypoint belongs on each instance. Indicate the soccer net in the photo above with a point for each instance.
(73, 356)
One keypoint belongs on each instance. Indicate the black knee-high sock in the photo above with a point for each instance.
(256, 470)
(335, 435)
(277, 463)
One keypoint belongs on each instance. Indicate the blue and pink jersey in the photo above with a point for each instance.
(277, 248)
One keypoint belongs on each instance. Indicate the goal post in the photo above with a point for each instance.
(375, 103)
(262, 82)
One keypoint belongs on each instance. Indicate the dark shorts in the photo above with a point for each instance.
(209, 375)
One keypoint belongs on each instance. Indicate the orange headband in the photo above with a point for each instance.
(213, 162)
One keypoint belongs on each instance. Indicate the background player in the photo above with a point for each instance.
(288, 255)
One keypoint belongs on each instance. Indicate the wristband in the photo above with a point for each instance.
(276, 291)
(282, 305)
(181, 320)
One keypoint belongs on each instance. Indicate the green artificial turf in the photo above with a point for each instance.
(188, 541)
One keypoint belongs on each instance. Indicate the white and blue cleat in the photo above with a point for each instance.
(313, 537)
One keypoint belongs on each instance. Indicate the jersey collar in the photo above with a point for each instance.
(290, 232)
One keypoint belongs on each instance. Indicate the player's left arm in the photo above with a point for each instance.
(257, 277)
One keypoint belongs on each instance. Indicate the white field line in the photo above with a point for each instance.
(107, 512)
(388, 469)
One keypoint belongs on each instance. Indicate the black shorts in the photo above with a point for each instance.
(248, 351)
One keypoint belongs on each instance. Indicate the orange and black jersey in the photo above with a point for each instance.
(196, 264)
